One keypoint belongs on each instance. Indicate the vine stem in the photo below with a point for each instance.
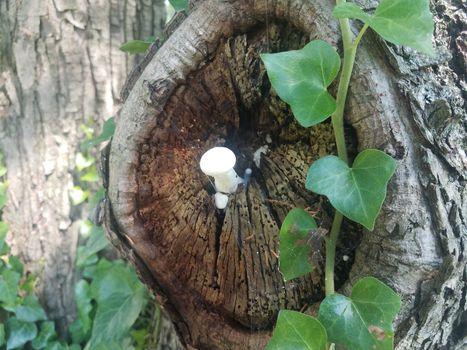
(350, 49)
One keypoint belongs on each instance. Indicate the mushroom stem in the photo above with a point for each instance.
(218, 162)
(227, 182)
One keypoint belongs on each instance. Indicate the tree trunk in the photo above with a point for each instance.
(59, 66)
(216, 273)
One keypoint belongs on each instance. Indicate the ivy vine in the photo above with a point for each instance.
(357, 191)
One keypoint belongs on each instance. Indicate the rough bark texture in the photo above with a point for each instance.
(59, 66)
(216, 273)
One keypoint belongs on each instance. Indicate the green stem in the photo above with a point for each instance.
(331, 253)
(350, 49)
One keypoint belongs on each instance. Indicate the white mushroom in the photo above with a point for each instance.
(221, 200)
(218, 162)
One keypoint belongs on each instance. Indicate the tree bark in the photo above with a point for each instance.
(216, 273)
(59, 66)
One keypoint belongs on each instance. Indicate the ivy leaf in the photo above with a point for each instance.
(295, 252)
(402, 22)
(96, 198)
(8, 289)
(108, 130)
(135, 46)
(60, 346)
(46, 333)
(301, 78)
(90, 175)
(179, 5)
(19, 333)
(3, 187)
(297, 331)
(95, 243)
(120, 297)
(30, 310)
(84, 306)
(3, 169)
(16, 265)
(357, 192)
(2, 334)
(78, 195)
(363, 321)
(112, 345)
(4, 227)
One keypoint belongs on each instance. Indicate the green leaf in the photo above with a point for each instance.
(30, 310)
(363, 321)
(83, 161)
(95, 243)
(78, 195)
(84, 306)
(402, 22)
(16, 265)
(3, 187)
(57, 346)
(179, 5)
(108, 130)
(357, 192)
(91, 175)
(29, 283)
(301, 78)
(296, 331)
(8, 289)
(135, 46)
(2, 334)
(46, 333)
(4, 227)
(140, 338)
(77, 332)
(19, 333)
(120, 297)
(96, 198)
(295, 252)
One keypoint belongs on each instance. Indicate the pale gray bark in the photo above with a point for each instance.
(60, 65)
(408, 105)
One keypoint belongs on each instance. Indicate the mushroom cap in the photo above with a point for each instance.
(217, 160)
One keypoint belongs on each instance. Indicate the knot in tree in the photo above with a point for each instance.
(216, 271)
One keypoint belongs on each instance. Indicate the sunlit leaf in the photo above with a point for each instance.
(363, 321)
(90, 175)
(301, 78)
(83, 162)
(294, 248)
(402, 22)
(297, 331)
(357, 192)
(95, 243)
(78, 195)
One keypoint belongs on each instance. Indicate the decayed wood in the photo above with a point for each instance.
(60, 65)
(217, 275)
